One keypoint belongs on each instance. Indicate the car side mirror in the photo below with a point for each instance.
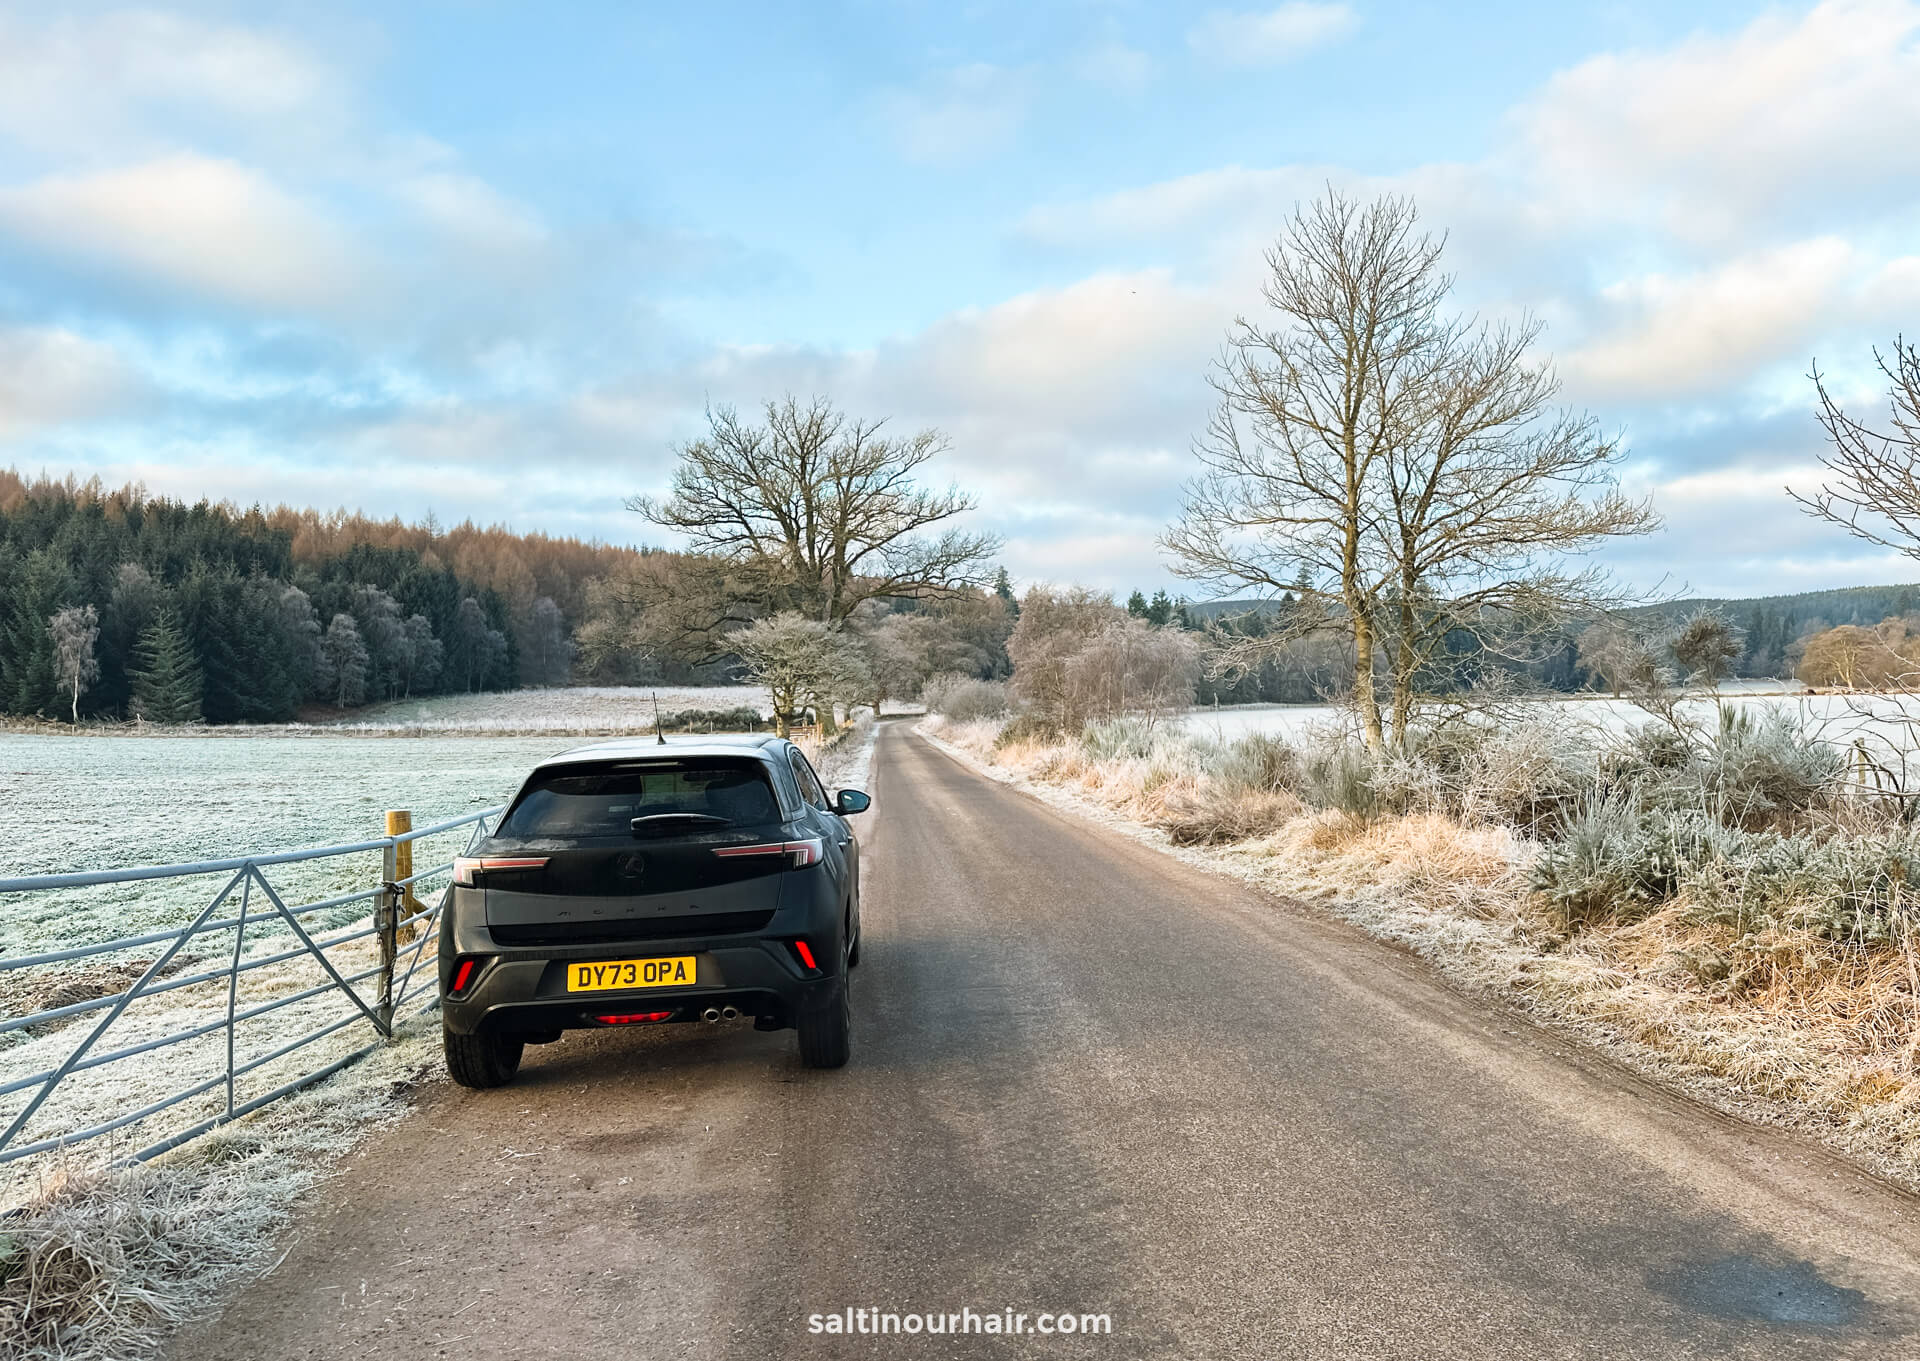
(850, 801)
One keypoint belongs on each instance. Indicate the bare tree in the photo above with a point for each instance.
(1404, 475)
(76, 630)
(1611, 651)
(796, 658)
(1132, 667)
(818, 511)
(1290, 493)
(1054, 626)
(1873, 491)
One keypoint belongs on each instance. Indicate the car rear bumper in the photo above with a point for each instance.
(525, 989)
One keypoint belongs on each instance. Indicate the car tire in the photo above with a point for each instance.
(482, 1061)
(853, 955)
(826, 1031)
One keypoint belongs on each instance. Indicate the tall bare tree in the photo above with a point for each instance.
(1289, 497)
(75, 630)
(1873, 486)
(819, 510)
(1404, 474)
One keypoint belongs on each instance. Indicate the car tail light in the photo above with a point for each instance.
(463, 972)
(801, 853)
(805, 951)
(635, 1018)
(466, 866)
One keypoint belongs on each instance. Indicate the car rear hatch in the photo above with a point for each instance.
(639, 849)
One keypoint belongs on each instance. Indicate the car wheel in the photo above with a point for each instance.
(482, 1061)
(853, 954)
(826, 1031)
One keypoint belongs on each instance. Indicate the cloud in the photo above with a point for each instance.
(1722, 136)
(1271, 38)
(960, 115)
(83, 85)
(1115, 66)
(1676, 334)
(189, 222)
(49, 376)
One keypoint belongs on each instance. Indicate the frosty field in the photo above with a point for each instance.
(103, 802)
(1890, 724)
(91, 803)
(578, 709)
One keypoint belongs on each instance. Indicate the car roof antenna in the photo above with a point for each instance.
(658, 736)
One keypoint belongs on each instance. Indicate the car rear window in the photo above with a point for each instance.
(586, 801)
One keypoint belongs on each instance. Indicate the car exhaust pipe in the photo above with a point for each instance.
(729, 1013)
(710, 1014)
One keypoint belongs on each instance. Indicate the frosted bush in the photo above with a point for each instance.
(1767, 769)
(1259, 762)
(1119, 739)
(964, 698)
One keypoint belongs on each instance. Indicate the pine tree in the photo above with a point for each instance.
(1003, 588)
(166, 677)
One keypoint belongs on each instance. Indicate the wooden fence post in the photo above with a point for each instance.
(400, 822)
(386, 922)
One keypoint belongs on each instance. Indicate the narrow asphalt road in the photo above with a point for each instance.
(1086, 1078)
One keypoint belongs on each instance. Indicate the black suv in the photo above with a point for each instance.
(635, 883)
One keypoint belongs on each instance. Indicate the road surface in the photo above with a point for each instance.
(1086, 1078)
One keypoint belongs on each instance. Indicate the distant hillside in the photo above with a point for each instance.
(1221, 609)
(1847, 605)
(1770, 624)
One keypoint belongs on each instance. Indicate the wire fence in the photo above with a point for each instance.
(236, 1008)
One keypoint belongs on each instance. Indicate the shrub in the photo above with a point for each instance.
(1338, 774)
(741, 718)
(1026, 728)
(964, 698)
(1858, 888)
(1615, 861)
(1765, 771)
(1259, 762)
(1651, 756)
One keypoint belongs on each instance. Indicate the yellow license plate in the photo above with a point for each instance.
(607, 975)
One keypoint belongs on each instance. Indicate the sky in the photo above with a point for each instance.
(494, 261)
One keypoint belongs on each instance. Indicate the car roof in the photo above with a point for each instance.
(632, 748)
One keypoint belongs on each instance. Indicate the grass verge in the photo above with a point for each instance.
(1776, 1023)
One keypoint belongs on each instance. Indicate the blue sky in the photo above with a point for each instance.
(492, 259)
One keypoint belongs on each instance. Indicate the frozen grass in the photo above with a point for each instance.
(1771, 1019)
(92, 803)
(102, 1264)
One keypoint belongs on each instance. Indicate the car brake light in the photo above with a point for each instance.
(801, 948)
(802, 853)
(463, 975)
(466, 866)
(634, 1018)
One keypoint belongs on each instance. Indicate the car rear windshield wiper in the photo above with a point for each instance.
(658, 824)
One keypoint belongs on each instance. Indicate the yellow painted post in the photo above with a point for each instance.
(399, 822)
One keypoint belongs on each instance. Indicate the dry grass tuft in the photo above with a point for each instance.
(1203, 816)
